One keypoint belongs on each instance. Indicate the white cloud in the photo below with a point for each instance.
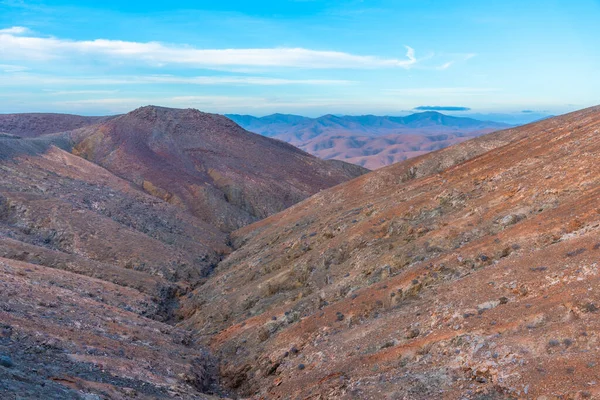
(31, 79)
(15, 30)
(13, 45)
(218, 104)
(72, 92)
(440, 91)
(9, 68)
(446, 65)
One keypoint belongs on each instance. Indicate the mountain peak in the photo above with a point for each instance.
(204, 162)
(152, 111)
(429, 113)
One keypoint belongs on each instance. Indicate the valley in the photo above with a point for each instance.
(467, 272)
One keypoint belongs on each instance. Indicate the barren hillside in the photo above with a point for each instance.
(466, 273)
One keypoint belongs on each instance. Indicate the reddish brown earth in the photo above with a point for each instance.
(370, 141)
(93, 266)
(36, 124)
(468, 273)
(91, 270)
(207, 164)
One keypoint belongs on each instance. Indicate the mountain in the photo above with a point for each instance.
(204, 163)
(95, 257)
(469, 272)
(91, 269)
(36, 124)
(368, 140)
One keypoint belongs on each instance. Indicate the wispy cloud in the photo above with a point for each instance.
(446, 65)
(440, 91)
(17, 44)
(226, 104)
(221, 104)
(72, 92)
(9, 68)
(441, 108)
(32, 79)
(15, 30)
(455, 59)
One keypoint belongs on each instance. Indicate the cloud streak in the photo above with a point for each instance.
(443, 91)
(17, 44)
(441, 108)
(15, 30)
(31, 79)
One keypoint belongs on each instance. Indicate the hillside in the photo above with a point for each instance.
(370, 141)
(93, 266)
(207, 164)
(465, 273)
(468, 272)
(36, 124)
(91, 270)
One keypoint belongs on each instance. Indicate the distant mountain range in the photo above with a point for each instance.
(369, 140)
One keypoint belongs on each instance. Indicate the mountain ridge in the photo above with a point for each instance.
(468, 272)
(227, 175)
(369, 140)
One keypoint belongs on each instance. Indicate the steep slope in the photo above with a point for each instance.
(91, 270)
(206, 164)
(368, 140)
(36, 124)
(470, 272)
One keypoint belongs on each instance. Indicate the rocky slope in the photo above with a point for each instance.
(470, 272)
(466, 273)
(207, 164)
(36, 124)
(93, 266)
(91, 269)
(368, 140)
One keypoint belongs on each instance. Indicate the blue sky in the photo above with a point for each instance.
(507, 60)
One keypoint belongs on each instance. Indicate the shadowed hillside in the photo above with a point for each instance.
(91, 270)
(36, 124)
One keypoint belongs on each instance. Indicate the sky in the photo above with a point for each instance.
(513, 61)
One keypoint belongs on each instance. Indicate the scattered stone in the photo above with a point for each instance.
(488, 305)
(576, 252)
(413, 333)
(590, 307)
(301, 367)
(6, 362)
(538, 269)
